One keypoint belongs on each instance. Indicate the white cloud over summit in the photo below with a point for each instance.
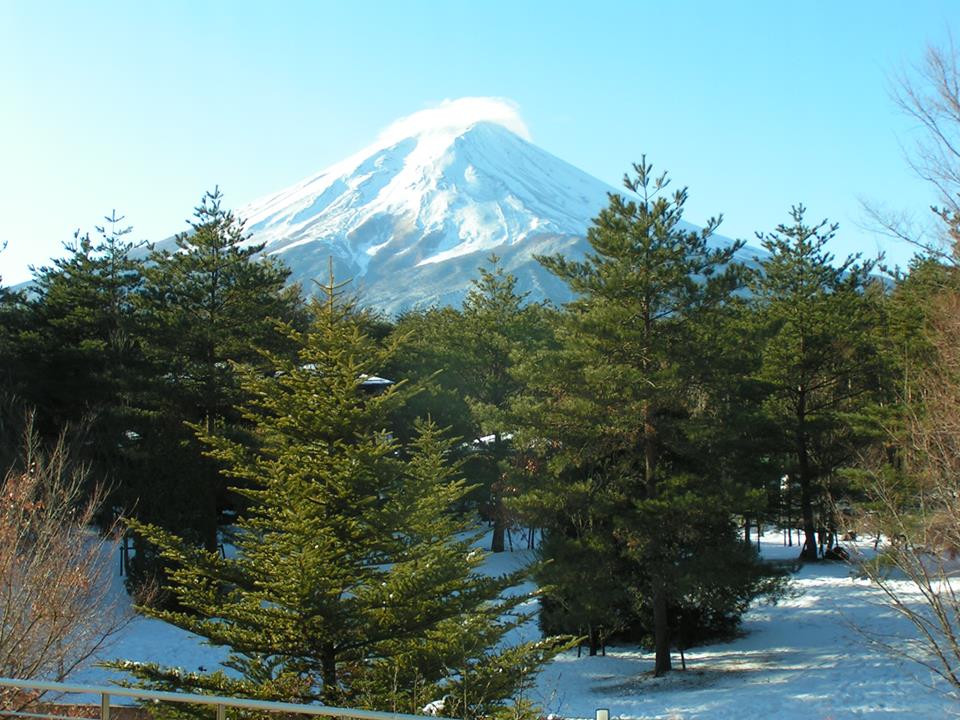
(457, 115)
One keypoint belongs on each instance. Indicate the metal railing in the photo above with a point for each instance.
(220, 703)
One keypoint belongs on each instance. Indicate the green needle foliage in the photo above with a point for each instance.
(205, 305)
(498, 326)
(354, 581)
(820, 361)
(469, 356)
(83, 349)
(616, 412)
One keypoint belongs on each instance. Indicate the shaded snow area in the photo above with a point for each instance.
(806, 657)
(146, 640)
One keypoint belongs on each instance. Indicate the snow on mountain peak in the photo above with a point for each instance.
(456, 116)
(404, 154)
(456, 179)
(411, 217)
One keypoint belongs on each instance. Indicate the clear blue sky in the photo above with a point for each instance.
(753, 105)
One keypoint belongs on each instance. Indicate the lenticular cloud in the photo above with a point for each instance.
(457, 115)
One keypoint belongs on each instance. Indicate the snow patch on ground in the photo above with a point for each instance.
(805, 657)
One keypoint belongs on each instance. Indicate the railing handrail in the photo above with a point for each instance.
(216, 700)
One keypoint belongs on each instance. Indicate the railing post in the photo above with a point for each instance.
(221, 712)
(603, 714)
(104, 706)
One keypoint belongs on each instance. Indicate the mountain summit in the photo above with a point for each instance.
(411, 217)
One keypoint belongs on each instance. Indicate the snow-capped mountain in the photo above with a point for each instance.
(411, 217)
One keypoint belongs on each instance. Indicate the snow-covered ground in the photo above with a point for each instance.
(806, 657)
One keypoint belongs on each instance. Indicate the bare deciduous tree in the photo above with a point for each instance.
(931, 96)
(56, 606)
(917, 507)
(929, 93)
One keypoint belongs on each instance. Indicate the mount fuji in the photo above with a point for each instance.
(413, 216)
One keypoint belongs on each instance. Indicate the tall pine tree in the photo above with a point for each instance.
(80, 355)
(85, 338)
(820, 362)
(473, 352)
(14, 322)
(618, 395)
(206, 304)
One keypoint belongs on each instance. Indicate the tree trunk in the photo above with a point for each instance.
(809, 551)
(499, 527)
(328, 670)
(661, 632)
(210, 523)
(661, 626)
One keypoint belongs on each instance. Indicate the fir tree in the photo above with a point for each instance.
(731, 429)
(212, 301)
(12, 321)
(355, 582)
(14, 324)
(617, 398)
(472, 353)
(496, 328)
(905, 331)
(819, 355)
(206, 304)
(79, 349)
(85, 339)
(426, 355)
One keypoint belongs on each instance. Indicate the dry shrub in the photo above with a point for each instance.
(917, 508)
(57, 609)
(917, 499)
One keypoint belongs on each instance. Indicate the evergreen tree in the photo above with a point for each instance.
(426, 355)
(85, 336)
(731, 427)
(211, 302)
(473, 352)
(79, 351)
(14, 323)
(497, 328)
(206, 304)
(905, 335)
(617, 398)
(577, 504)
(819, 356)
(905, 331)
(355, 582)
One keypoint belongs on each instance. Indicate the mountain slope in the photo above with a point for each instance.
(413, 216)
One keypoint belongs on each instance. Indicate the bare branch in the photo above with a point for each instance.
(929, 93)
(917, 507)
(56, 605)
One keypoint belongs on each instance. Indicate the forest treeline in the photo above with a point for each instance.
(638, 433)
